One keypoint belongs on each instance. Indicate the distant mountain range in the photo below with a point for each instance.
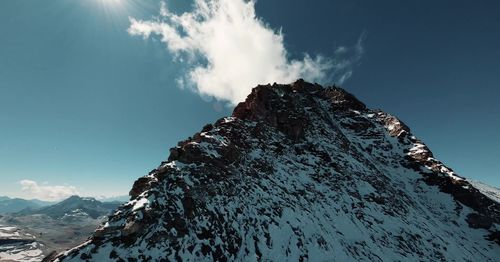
(31, 229)
(13, 205)
(122, 199)
(74, 206)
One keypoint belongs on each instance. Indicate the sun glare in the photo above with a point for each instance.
(114, 4)
(122, 9)
(111, 2)
(113, 8)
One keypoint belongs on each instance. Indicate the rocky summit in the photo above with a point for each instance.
(300, 172)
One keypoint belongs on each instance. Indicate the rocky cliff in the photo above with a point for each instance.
(300, 172)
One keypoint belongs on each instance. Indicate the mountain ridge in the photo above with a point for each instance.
(299, 172)
(74, 206)
(490, 191)
(13, 205)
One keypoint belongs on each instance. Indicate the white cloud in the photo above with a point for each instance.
(346, 59)
(340, 50)
(32, 189)
(229, 50)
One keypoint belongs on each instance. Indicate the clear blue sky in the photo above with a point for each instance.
(83, 103)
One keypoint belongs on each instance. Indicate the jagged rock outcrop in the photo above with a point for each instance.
(300, 172)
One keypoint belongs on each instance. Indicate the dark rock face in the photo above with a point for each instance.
(300, 172)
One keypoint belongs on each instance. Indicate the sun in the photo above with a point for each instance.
(122, 8)
(111, 2)
(112, 8)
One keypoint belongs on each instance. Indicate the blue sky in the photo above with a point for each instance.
(88, 106)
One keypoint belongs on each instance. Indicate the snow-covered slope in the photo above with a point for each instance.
(300, 172)
(489, 191)
(16, 245)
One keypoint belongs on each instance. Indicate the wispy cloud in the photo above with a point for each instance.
(346, 58)
(229, 50)
(32, 189)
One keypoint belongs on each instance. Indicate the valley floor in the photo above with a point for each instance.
(30, 238)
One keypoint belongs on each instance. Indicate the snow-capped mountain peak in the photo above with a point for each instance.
(300, 172)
